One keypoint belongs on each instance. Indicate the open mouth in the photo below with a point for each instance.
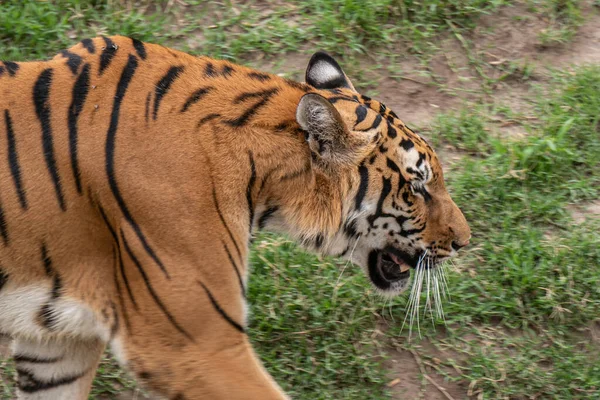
(387, 268)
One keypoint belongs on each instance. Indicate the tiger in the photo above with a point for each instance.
(132, 180)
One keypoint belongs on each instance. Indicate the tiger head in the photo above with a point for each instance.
(398, 215)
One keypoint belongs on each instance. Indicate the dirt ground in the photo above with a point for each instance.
(500, 39)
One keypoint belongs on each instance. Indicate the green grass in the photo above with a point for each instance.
(465, 130)
(32, 29)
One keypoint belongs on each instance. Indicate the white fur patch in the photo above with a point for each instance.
(410, 159)
(20, 309)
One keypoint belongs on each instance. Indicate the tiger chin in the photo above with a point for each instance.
(132, 179)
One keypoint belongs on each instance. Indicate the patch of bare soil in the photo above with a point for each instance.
(585, 212)
(413, 378)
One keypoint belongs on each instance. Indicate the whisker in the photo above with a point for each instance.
(440, 306)
(445, 281)
(349, 260)
(418, 294)
(429, 283)
(411, 305)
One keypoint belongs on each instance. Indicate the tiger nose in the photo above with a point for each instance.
(457, 246)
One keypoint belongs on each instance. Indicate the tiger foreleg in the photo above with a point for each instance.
(226, 369)
(55, 369)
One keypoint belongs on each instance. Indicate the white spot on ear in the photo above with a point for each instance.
(323, 72)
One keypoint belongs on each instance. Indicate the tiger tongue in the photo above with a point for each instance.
(403, 266)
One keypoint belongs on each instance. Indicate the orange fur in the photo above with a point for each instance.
(195, 178)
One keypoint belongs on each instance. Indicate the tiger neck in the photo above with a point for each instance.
(289, 193)
(282, 188)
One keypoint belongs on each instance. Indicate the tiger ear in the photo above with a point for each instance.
(326, 133)
(323, 72)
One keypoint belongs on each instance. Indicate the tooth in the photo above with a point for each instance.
(404, 267)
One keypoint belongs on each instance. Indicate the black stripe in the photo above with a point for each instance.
(259, 76)
(361, 114)
(116, 323)
(210, 70)
(13, 160)
(3, 227)
(73, 61)
(420, 160)
(282, 126)
(385, 191)
(335, 99)
(154, 295)
(1, 70)
(377, 121)
(241, 120)
(350, 228)
(268, 213)
(41, 94)
(147, 113)
(392, 165)
(30, 384)
(11, 67)
(227, 71)
(250, 187)
(80, 92)
(413, 171)
(163, 86)
(252, 95)
(195, 97)
(392, 132)
(108, 53)
(220, 310)
(319, 241)
(298, 85)
(48, 315)
(3, 278)
(88, 44)
(21, 358)
(407, 144)
(119, 258)
(124, 81)
(207, 118)
(236, 269)
(214, 195)
(139, 47)
(363, 186)
(46, 261)
(411, 232)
